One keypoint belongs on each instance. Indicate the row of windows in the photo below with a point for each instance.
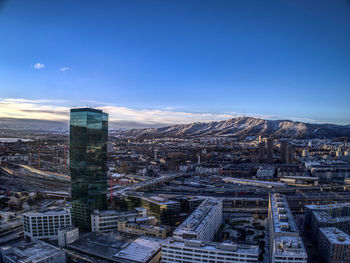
(189, 260)
(204, 252)
(290, 258)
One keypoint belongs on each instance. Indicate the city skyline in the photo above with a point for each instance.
(165, 63)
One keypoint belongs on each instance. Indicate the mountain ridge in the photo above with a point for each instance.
(242, 127)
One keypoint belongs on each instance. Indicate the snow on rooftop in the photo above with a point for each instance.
(335, 235)
(289, 246)
(195, 222)
(32, 252)
(282, 217)
(141, 250)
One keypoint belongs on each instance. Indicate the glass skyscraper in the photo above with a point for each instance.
(88, 163)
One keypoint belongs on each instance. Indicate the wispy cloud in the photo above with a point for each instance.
(58, 110)
(63, 69)
(39, 66)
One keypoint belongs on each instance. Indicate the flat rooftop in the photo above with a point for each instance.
(159, 200)
(115, 213)
(194, 222)
(117, 247)
(289, 246)
(335, 235)
(31, 252)
(214, 246)
(49, 211)
(252, 182)
(328, 206)
(283, 221)
(141, 250)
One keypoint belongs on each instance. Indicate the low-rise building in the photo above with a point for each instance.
(107, 221)
(116, 247)
(45, 224)
(67, 235)
(35, 251)
(142, 229)
(265, 172)
(11, 227)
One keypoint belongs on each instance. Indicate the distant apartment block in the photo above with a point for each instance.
(269, 150)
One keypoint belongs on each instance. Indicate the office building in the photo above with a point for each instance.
(197, 251)
(46, 223)
(32, 252)
(166, 211)
(203, 223)
(107, 221)
(286, 244)
(333, 245)
(88, 163)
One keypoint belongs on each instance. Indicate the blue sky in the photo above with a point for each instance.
(174, 61)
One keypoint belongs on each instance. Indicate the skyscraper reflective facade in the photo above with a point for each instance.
(88, 163)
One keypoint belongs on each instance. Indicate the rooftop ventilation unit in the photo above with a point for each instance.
(194, 243)
(285, 226)
(282, 217)
(227, 246)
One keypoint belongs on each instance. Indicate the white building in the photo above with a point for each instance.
(107, 221)
(67, 235)
(37, 251)
(203, 223)
(200, 169)
(45, 224)
(286, 245)
(196, 251)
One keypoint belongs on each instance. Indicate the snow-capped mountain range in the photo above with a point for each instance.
(246, 126)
